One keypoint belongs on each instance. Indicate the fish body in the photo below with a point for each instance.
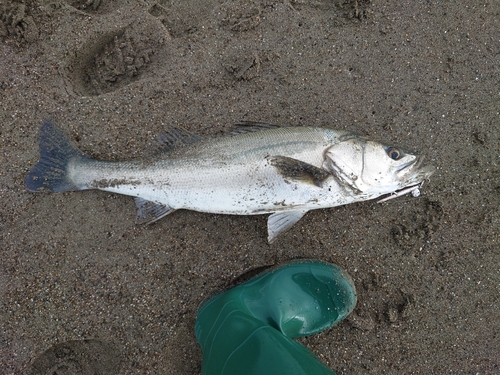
(285, 171)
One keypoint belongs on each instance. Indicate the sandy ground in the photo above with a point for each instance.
(85, 290)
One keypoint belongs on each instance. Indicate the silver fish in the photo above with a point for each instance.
(261, 169)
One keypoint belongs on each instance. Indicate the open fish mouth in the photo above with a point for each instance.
(414, 181)
(414, 169)
(414, 164)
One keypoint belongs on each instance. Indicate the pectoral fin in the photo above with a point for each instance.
(297, 170)
(280, 222)
(148, 212)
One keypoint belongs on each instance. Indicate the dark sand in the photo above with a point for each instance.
(85, 289)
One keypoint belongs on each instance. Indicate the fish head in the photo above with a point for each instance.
(371, 169)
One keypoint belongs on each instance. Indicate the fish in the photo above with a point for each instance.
(284, 171)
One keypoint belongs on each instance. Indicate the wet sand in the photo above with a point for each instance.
(85, 290)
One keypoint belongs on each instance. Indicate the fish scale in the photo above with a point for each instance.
(284, 171)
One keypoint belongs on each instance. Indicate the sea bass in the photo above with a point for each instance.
(260, 169)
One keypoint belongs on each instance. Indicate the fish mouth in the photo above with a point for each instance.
(415, 163)
(415, 172)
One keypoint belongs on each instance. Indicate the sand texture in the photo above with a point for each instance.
(85, 290)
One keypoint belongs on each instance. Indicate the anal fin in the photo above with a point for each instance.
(148, 212)
(281, 221)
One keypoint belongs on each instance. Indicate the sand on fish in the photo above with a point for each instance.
(84, 289)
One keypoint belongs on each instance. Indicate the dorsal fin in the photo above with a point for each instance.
(176, 138)
(252, 126)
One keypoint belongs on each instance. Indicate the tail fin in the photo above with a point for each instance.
(56, 151)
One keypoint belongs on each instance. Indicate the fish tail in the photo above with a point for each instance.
(56, 151)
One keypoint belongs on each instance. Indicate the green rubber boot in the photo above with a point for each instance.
(249, 329)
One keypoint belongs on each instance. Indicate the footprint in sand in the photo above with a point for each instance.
(79, 357)
(115, 59)
(95, 6)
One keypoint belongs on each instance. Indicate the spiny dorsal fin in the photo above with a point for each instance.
(252, 126)
(280, 222)
(176, 138)
(297, 170)
(148, 212)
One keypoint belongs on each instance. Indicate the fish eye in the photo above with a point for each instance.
(394, 153)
